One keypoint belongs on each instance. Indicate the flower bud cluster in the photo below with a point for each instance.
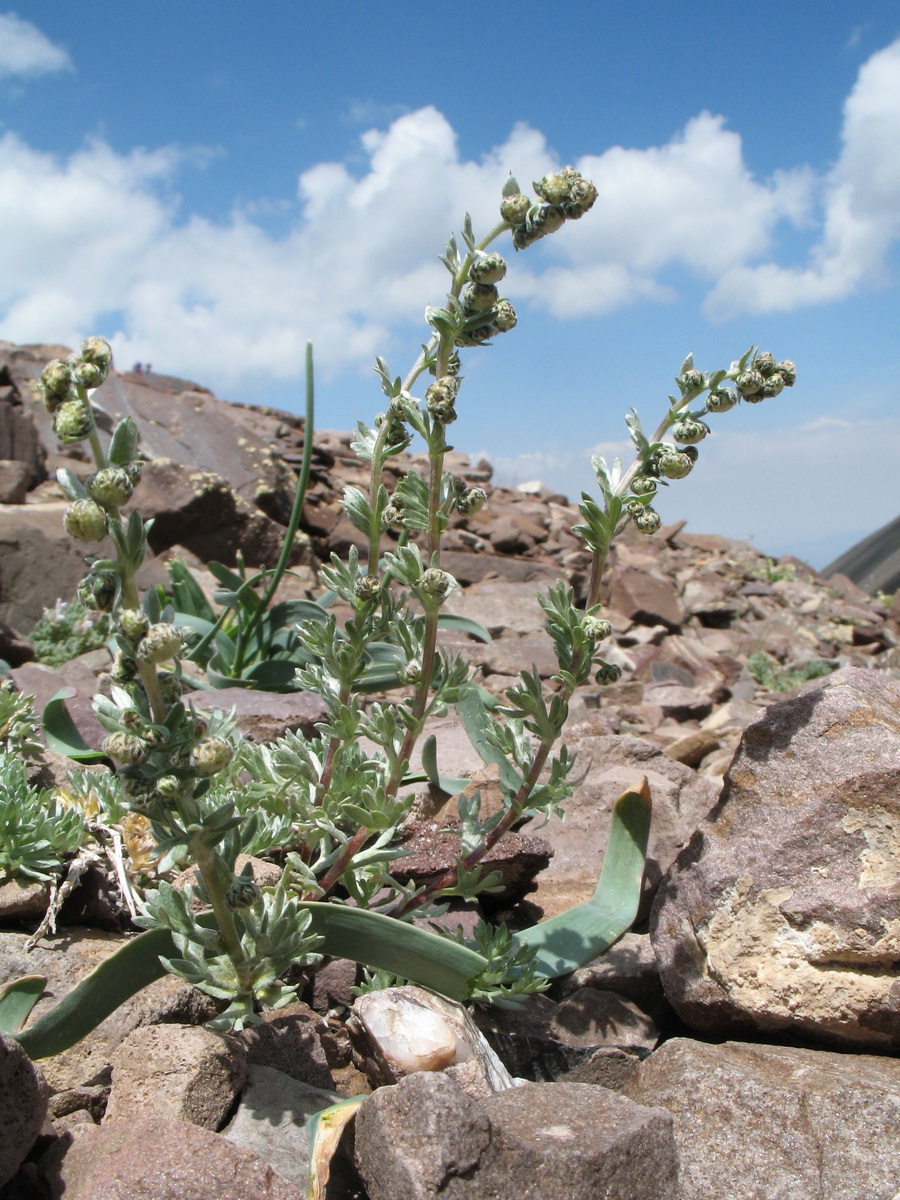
(565, 196)
(64, 384)
(471, 501)
(487, 312)
(765, 378)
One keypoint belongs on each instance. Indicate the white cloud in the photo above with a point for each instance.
(24, 50)
(861, 197)
(99, 240)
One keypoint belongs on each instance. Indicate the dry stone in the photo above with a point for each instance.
(756, 1122)
(782, 912)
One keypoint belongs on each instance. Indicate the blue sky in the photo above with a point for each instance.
(209, 185)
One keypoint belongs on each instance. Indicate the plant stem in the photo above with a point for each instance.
(296, 513)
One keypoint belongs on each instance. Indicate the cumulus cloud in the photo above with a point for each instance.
(24, 50)
(861, 200)
(99, 240)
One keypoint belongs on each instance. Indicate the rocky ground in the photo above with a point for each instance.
(755, 1010)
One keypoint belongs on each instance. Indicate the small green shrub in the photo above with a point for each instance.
(67, 630)
(775, 678)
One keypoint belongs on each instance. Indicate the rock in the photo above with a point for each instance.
(157, 1158)
(264, 716)
(646, 596)
(23, 1106)
(14, 648)
(271, 1120)
(424, 1139)
(593, 1017)
(754, 1121)
(15, 477)
(613, 764)
(781, 914)
(497, 605)
(629, 967)
(179, 1071)
(287, 1040)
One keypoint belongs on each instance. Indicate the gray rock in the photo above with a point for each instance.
(15, 477)
(782, 912)
(287, 1040)
(271, 1120)
(23, 1106)
(179, 1071)
(592, 1017)
(424, 1139)
(755, 1122)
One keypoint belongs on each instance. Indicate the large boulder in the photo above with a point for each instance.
(781, 914)
(756, 1121)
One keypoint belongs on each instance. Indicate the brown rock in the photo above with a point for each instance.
(23, 1106)
(15, 477)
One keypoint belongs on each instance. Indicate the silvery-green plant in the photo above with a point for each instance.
(334, 804)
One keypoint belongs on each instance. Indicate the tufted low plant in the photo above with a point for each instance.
(331, 808)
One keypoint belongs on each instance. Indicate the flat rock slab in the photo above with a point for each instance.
(782, 913)
(756, 1122)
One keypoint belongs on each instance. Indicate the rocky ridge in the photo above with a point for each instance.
(776, 807)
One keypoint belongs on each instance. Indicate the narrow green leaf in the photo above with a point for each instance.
(430, 767)
(17, 999)
(464, 625)
(62, 733)
(123, 447)
(73, 488)
(571, 939)
(476, 722)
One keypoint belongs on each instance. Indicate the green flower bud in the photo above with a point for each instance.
(608, 673)
(435, 582)
(643, 485)
(514, 209)
(125, 748)
(475, 337)
(110, 487)
(412, 672)
(504, 316)
(788, 372)
(171, 788)
(85, 521)
(772, 386)
(132, 720)
(170, 686)
(692, 381)
(134, 470)
(582, 195)
(472, 501)
(367, 588)
(56, 378)
(98, 590)
(133, 625)
(647, 521)
(690, 452)
(674, 464)
(721, 400)
(597, 628)
(73, 421)
(479, 297)
(88, 374)
(391, 517)
(749, 383)
(97, 350)
(488, 268)
(439, 398)
(765, 364)
(123, 669)
(160, 643)
(554, 188)
(243, 893)
(211, 755)
(689, 431)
